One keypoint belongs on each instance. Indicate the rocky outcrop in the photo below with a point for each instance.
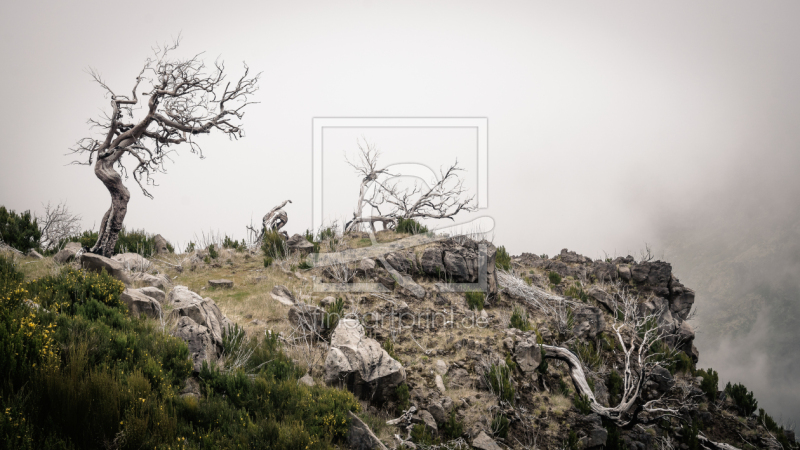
(282, 295)
(459, 261)
(139, 303)
(161, 245)
(157, 281)
(67, 254)
(154, 293)
(361, 364)
(484, 442)
(133, 262)
(298, 243)
(202, 311)
(588, 322)
(221, 283)
(199, 340)
(97, 263)
(308, 318)
(360, 437)
(528, 356)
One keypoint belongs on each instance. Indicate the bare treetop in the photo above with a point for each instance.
(185, 98)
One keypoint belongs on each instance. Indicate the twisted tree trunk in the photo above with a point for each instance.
(113, 218)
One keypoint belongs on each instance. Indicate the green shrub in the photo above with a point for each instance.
(420, 434)
(519, 319)
(19, 230)
(543, 366)
(273, 245)
(499, 379)
(212, 252)
(403, 397)
(572, 442)
(614, 385)
(267, 261)
(502, 259)
(410, 226)
(190, 247)
(305, 265)
(614, 440)
(475, 300)
(684, 363)
(554, 278)
(582, 404)
(234, 244)
(84, 374)
(500, 425)
(563, 388)
(585, 350)
(388, 345)
(134, 241)
(689, 432)
(710, 383)
(744, 399)
(576, 291)
(333, 313)
(452, 428)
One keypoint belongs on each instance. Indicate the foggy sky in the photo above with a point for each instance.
(610, 124)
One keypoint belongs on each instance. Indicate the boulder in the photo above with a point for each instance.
(439, 383)
(604, 271)
(588, 322)
(528, 356)
(327, 301)
(133, 262)
(425, 418)
(221, 283)
(440, 367)
(309, 318)
(624, 271)
(407, 286)
(658, 383)
(569, 257)
(361, 364)
(431, 261)
(154, 293)
(161, 245)
(191, 388)
(67, 254)
(456, 265)
(360, 437)
(34, 254)
(307, 380)
(157, 281)
(198, 339)
(484, 442)
(138, 303)
(602, 297)
(283, 295)
(595, 438)
(681, 299)
(96, 263)
(298, 243)
(366, 267)
(402, 261)
(202, 311)
(459, 378)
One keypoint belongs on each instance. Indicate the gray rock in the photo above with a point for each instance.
(156, 281)
(484, 442)
(367, 267)
(155, 293)
(327, 301)
(133, 262)
(221, 283)
(67, 254)
(459, 378)
(308, 318)
(440, 367)
(681, 300)
(202, 311)
(138, 303)
(595, 438)
(191, 388)
(307, 380)
(34, 254)
(282, 295)
(431, 261)
(360, 437)
(602, 297)
(439, 383)
(97, 263)
(161, 245)
(425, 418)
(407, 286)
(198, 339)
(624, 271)
(528, 356)
(401, 261)
(604, 271)
(456, 265)
(361, 364)
(298, 243)
(588, 322)
(659, 382)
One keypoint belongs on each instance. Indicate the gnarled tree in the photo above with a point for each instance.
(185, 98)
(442, 198)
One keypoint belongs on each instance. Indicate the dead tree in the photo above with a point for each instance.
(441, 199)
(185, 99)
(274, 220)
(57, 224)
(636, 333)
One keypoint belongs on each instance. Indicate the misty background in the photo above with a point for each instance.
(611, 125)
